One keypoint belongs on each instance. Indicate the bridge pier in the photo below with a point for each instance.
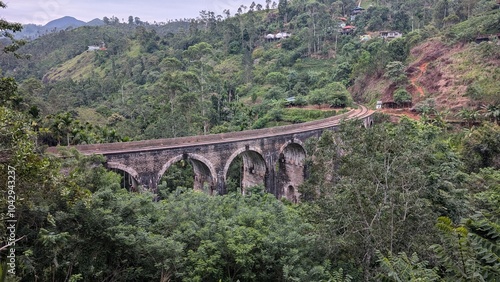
(203, 180)
(368, 122)
(291, 170)
(221, 184)
(270, 184)
(255, 170)
(148, 181)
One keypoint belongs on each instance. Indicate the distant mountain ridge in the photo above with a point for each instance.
(64, 23)
(32, 31)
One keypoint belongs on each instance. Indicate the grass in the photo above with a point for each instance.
(134, 50)
(473, 67)
(91, 115)
(307, 64)
(304, 115)
(285, 116)
(77, 68)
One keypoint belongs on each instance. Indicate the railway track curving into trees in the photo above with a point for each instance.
(361, 112)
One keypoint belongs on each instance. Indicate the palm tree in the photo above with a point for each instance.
(469, 116)
(440, 118)
(492, 112)
(61, 127)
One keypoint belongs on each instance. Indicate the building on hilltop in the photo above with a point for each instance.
(270, 36)
(282, 35)
(348, 29)
(101, 47)
(356, 11)
(390, 34)
(365, 37)
(277, 36)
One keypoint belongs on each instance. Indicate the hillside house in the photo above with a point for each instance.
(348, 29)
(93, 48)
(282, 35)
(290, 101)
(365, 37)
(487, 37)
(356, 11)
(390, 34)
(342, 22)
(270, 36)
(277, 36)
(101, 47)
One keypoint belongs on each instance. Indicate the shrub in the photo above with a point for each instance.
(401, 96)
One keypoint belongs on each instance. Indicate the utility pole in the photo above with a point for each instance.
(122, 95)
(336, 35)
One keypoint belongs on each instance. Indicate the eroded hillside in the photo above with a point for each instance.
(454, 76)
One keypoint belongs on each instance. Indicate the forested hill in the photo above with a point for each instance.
(226, 73)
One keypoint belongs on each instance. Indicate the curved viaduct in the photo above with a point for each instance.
(272, 156)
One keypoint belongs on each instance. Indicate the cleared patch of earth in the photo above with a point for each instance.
(440, 72)
(397, 114)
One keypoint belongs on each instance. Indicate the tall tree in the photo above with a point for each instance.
(5, 31)
(376, 192)
(283, 11)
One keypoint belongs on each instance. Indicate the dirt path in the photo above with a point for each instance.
(321, 108)
(398, 113)
(422, 68)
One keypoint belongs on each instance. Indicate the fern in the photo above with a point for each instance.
(402, 268)
(469, 251)
(340, 276)
(485, 240)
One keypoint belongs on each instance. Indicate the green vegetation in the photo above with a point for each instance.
(303, 115)
(407, 201)
(402, 96)
(230, 77)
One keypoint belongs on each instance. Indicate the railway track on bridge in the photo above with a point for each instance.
(158, 144)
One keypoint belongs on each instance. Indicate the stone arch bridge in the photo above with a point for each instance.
(273, 157)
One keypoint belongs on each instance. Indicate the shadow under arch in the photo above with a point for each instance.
(204, 171)
(131, 182)
(290, 170)
(255, 171)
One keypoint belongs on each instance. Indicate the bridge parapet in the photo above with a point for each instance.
(144, 145)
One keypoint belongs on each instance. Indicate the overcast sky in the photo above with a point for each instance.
(43, 11)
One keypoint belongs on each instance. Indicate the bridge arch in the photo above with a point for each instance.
(293, 141)
(290, 170)
(134, 184)
(255, 170)
(204, 170)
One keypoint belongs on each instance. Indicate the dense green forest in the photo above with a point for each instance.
(412, 200)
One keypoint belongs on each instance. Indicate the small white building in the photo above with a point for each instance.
(101, 47)
(93, 48)
(365, 37)
(390, 34)
(277, 36)
(282, 35)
